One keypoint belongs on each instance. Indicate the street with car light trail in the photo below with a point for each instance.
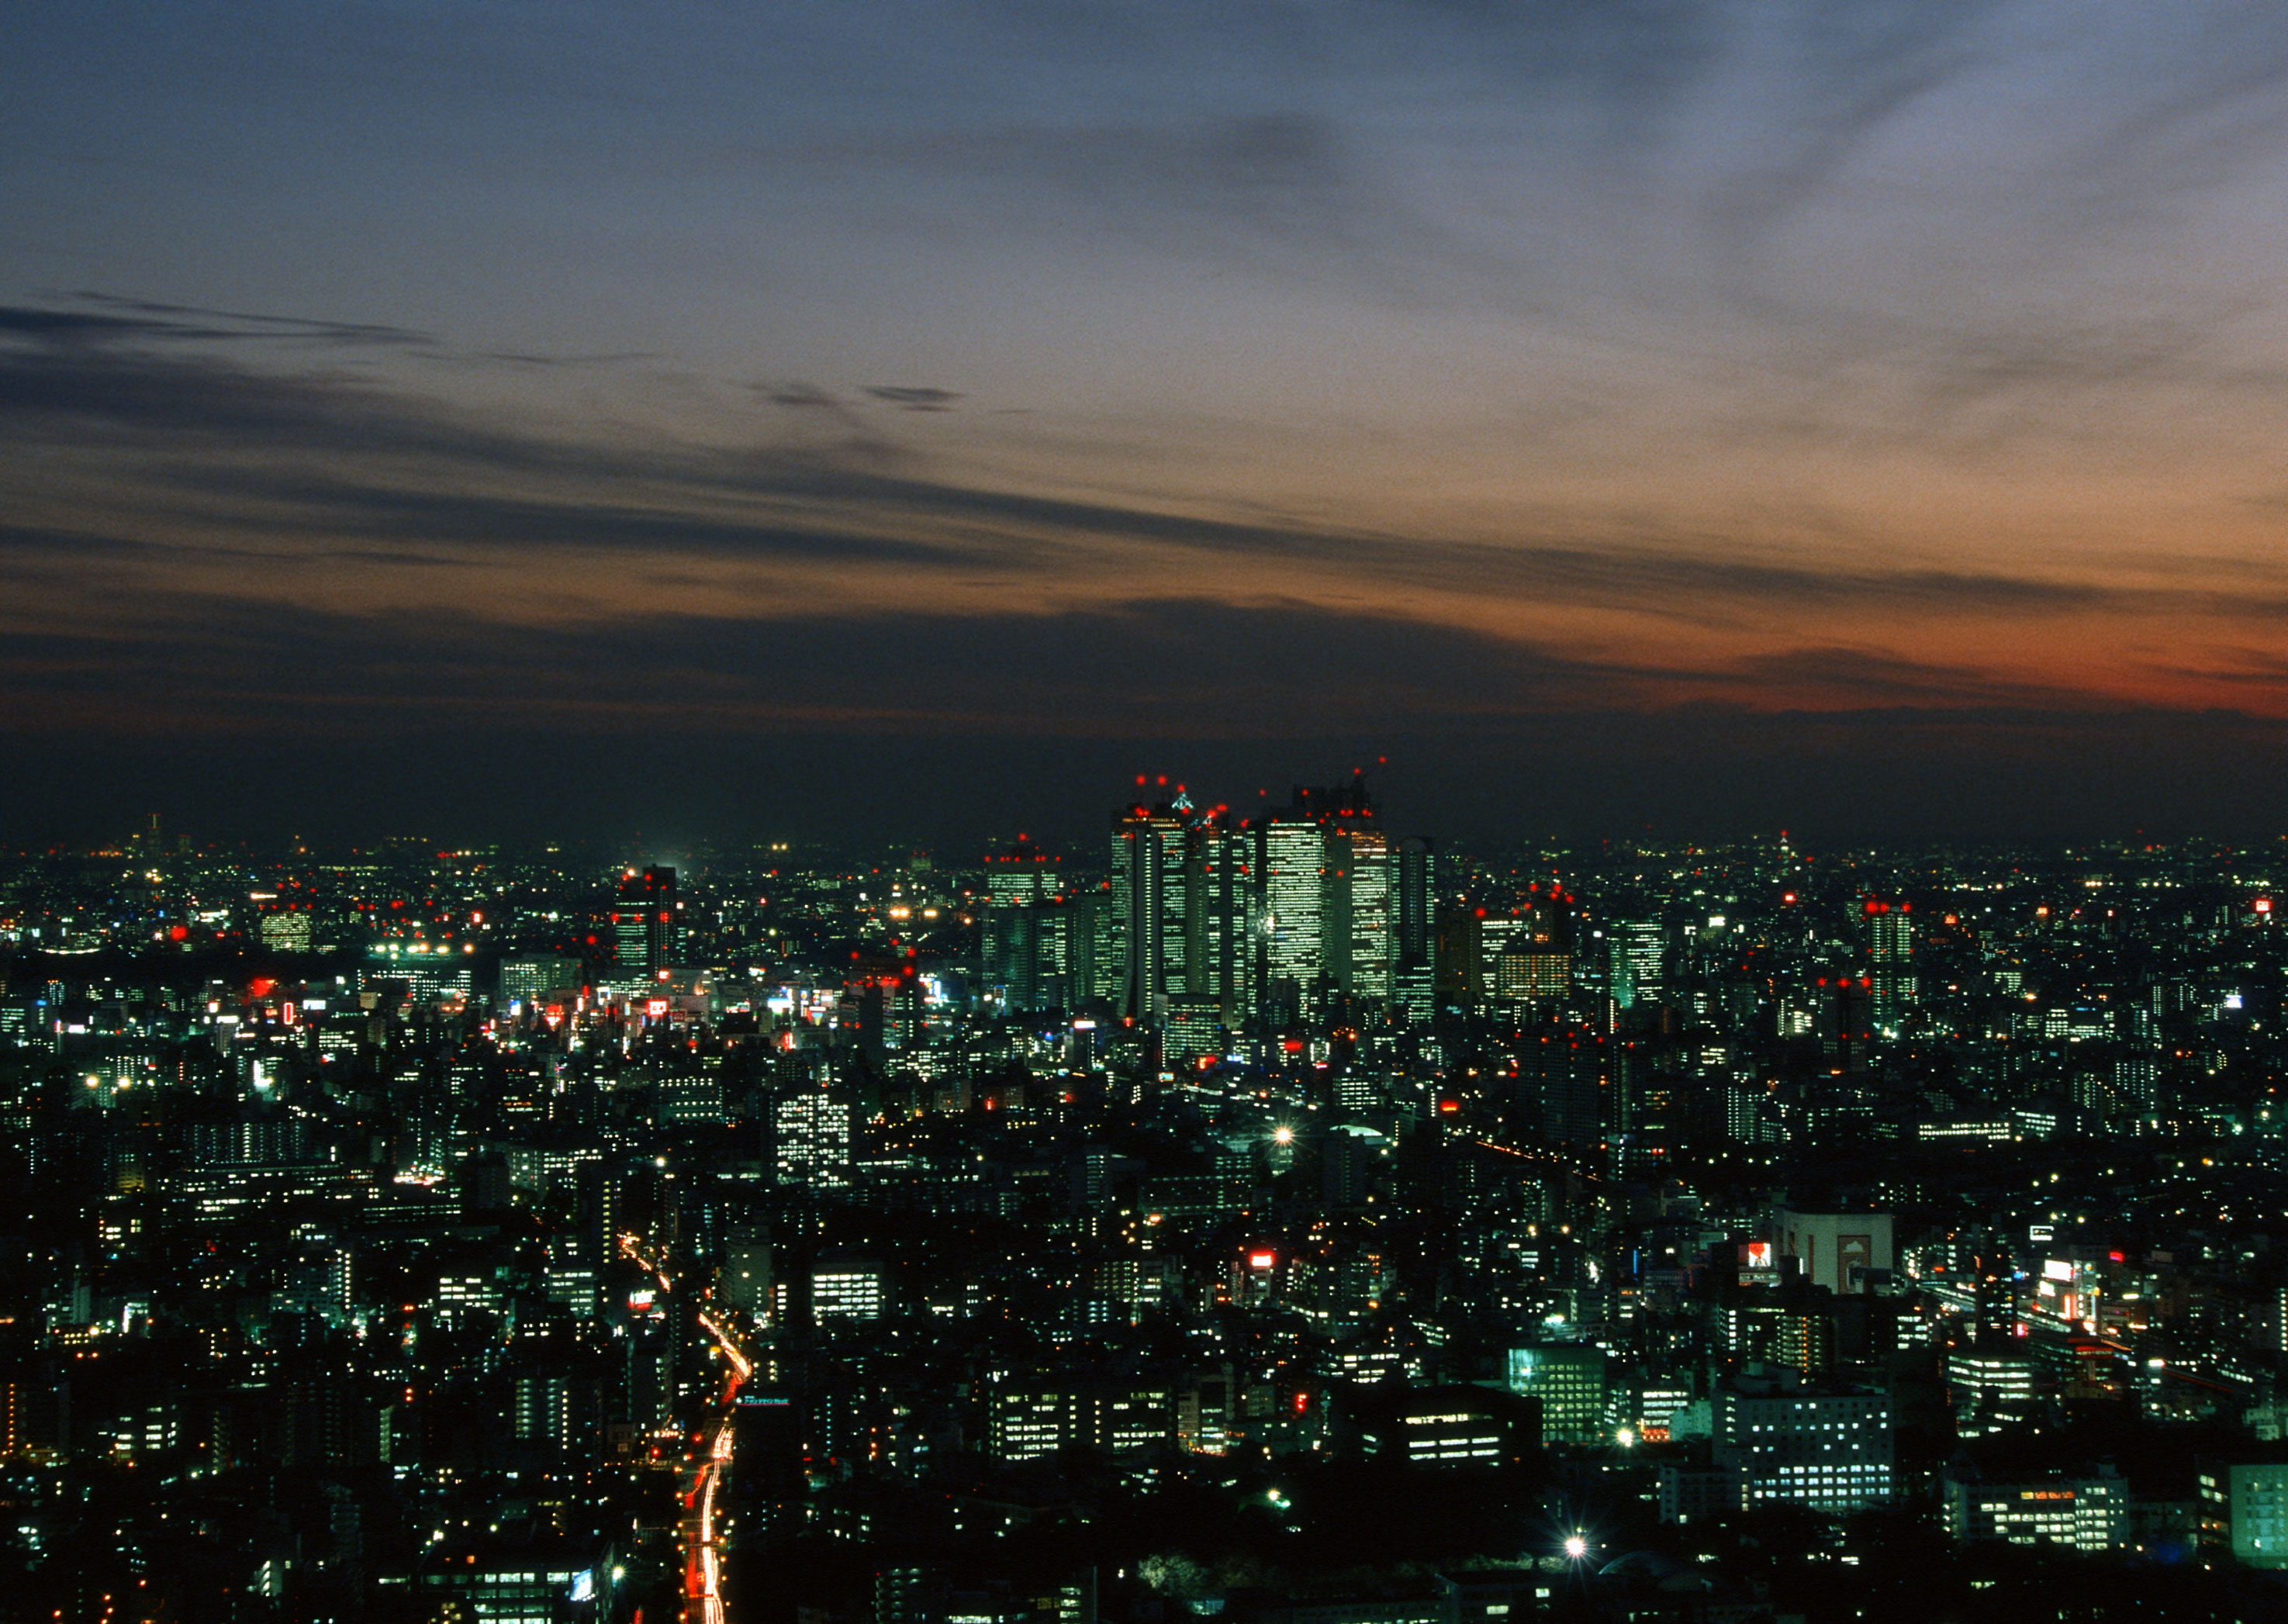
(703, 1578)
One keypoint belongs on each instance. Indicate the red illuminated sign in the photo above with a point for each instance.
(1262, 1260)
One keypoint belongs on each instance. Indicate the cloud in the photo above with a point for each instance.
(1182, 668)
(1855, 678)
(151, 319)
(205, 454)
(914, 398)
(797, 396)
(305, 452)
(311, 503)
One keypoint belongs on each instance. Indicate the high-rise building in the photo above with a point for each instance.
(847, 1285)
(1639, 955)
(2085, 1514)
(746, 1279)
(1307, 932)
(644, 921)
(1891, 947)
(1566, 1076)
(1828, 1449)
(1225, 908)
(1459, 957)
(1194, 1026)
(1844, 1015)
(528, 981)
(813, 1133)
(1152, 904)
(1356, 913)
(1030, 1417)
(1066, 945)
(1414, 909)
(1293, 854)
(286, 929)
(2244, 1508)
(1570, 1378)
(1017, 959)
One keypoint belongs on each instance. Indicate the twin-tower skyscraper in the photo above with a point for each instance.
(1206, 919)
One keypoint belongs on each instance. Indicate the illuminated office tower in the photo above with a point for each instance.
(1223, 908)
(2137, 1085)
(1636, 950)
(1311, 890)
(1107, 937)
(1065, 937)
(1113, 924)
(1022, 875)
(1017, 962)
(1891, 945)
(1536, 965)
(527, 981)
(1413, 927)
(1414, 901)
(2086, 1514)
(1828, 1449)
(1293, 856)
(643, 923)
(1171, 828)
(1194, 1027)
(1570, 1378)
(846, 1285)
(1991, 1388)
(1152, 904)
(1356, 913)
(286, 929)
(2244, 1508)
(813, 1130)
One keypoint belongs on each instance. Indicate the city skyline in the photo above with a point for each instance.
(1282, 1217)
(1773, 416)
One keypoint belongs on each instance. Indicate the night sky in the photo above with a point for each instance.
(475, 420)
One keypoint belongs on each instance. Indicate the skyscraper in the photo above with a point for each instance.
(1019, 959)
(1358, 904)
(1225, 908)
(1293, 854)
(1151, 904)
(813, 1134)
(1891, 946)
(1414, 908)
(1638, 949)
(644, 922)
